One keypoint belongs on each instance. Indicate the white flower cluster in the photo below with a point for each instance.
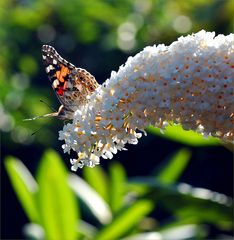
(190, 82)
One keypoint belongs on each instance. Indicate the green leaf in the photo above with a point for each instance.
(91, 199)
(57, 202)
(145, 236)
(188, 231)
(179, 232)
(126, 220)
(24, 186)
(33, 231)
(194, 205)
(203, 210)
(178, 134)
(173, 168)
(86, 230)
(97, 178)
(117, 186)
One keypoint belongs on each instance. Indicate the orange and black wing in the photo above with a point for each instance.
(72, 85)
(59, 71)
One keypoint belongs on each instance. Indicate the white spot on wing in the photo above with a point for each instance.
(49, 68)
(55, 83)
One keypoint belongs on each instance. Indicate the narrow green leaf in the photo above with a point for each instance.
(173, 168)
(189, 231)
(87, 230)
(196, 205)
(145, 236)
(97, 178)
(126, 220)
(24, 185)
(178, 134)
(58, 207)
(33, 231)
(91, 199)
(117, 186)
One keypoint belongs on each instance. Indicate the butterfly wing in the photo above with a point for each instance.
(84, 84)
(72, 85)
(58, 70)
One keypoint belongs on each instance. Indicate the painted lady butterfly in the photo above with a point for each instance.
(72, 85)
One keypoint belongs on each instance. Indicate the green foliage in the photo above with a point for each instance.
(184, 200)
(117, 189)
(92, 200)
(174, 167)
(110, 188)
(56, 202)
(178, 134)
(24, 185)
(101, 186)
(126, 220)
(49, 201)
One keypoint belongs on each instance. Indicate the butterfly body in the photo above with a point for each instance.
(72, 85)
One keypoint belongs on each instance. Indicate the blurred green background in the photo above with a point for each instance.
(175, 185)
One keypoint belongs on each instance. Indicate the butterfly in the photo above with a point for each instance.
(72, 85)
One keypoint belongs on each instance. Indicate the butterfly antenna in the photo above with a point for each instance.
(31, 119)
(54, 114)
(37, 131)
(47, 105)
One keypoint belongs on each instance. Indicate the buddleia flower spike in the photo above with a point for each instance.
(190, 82)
